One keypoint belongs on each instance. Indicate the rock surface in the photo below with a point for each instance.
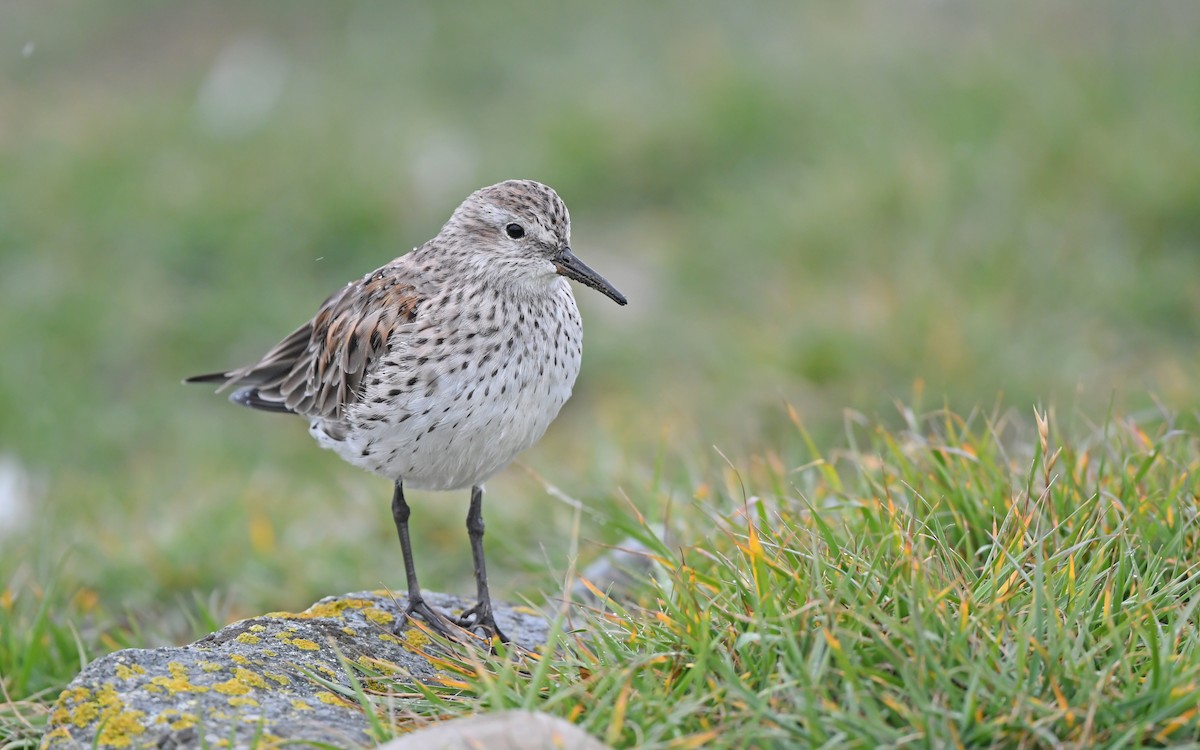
(260, 682)
(505, 730)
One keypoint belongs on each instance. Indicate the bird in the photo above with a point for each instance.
(436, 370)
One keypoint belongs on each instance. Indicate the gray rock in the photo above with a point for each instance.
(505, 730)
(262, 681)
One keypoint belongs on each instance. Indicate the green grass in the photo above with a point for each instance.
(950, 585)
(832, 206)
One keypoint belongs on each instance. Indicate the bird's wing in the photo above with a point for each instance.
(318, 369)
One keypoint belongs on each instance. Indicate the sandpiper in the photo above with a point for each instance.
(436, 370)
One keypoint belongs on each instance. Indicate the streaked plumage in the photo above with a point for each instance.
(436, 370)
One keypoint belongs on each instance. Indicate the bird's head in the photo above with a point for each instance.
(524, 228)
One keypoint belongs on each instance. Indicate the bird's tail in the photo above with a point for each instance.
(259, 384)
(212, 377)
(249, 395)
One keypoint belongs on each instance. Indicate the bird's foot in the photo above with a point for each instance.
(479, 620)
(436, 621)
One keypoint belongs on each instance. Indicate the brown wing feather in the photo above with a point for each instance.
(318, 369)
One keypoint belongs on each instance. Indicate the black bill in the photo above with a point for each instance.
(573, 268)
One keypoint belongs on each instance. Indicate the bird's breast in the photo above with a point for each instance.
(460, 395)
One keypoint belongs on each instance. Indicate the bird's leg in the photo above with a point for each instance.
(416, 602)
(479, 616)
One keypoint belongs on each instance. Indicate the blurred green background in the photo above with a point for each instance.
(835, 205)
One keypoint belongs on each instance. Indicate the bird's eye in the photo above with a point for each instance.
(516, 231)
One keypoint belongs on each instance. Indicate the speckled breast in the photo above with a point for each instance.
(458, 398)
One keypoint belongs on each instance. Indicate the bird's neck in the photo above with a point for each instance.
(519, 280)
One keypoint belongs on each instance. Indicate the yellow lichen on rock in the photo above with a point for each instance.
(242, 701)
(61, 713)
(250, 678)
(178, 682)
(332, 699)
(378, 616)
(120, 730)
(334, 609)
(84, 713)
(177, 720)
(58, 733)
(417, 638)
(303, 644)
(241, 682)
(329, 609)
(118, 724)
(231, 687)
(129, 671)
(281, 679)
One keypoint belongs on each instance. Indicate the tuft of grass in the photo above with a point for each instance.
(944, 585)
(40, 650)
